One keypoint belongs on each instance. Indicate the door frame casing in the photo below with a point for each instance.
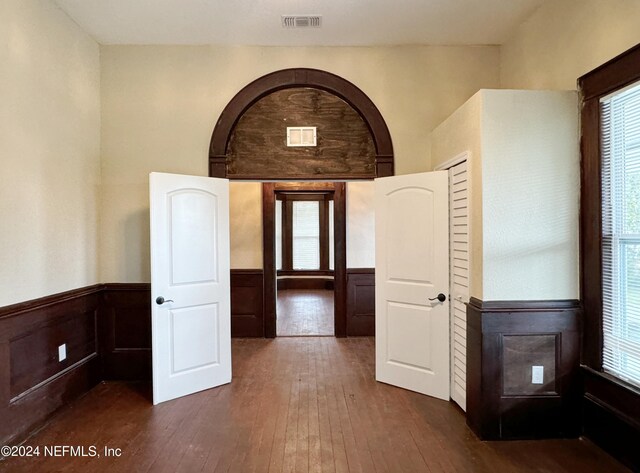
(338, 189)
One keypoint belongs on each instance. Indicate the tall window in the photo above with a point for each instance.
(306, 235)
(610, 222)
(620, 175)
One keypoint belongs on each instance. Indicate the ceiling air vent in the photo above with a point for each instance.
(301, 21)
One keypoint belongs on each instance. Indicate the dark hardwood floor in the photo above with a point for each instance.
(295, 405)
(302, 312)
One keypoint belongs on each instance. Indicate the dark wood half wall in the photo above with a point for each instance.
(33, 383)
(247, 303)
(504, 341)
(125, 331)
(361, 302)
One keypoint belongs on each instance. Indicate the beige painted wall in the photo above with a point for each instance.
(361, 225)
(245, 222)
(565, 39)
(160, 104)
(461, 133)
(560, 42)
(524, 181)
(245, 202)
(49, 150)
(530, 195)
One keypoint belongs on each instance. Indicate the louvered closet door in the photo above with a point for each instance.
(459, 256)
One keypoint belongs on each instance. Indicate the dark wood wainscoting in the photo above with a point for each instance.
(305, 283)
(361, 302)
(504, 341)
(247, 303)
(611, 416)
(125, 331)
(33, 383)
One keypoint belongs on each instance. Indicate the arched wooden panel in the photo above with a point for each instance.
(300, 78)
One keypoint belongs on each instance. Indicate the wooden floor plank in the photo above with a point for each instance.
(304, 312)
(296, 405)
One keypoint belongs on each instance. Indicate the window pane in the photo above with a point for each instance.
(620, 124)
(306, 235)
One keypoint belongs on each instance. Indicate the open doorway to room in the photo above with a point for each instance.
(304, 249)
(251, 145)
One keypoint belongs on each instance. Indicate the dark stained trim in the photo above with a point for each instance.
(612, 75)
(305, 283)
(304, 272)
(47, 301)
(300, 77)
(287, 235)
(340, 256)
(611, 407)
(591, 235)
(324, 234)
(269, 257)
(523, 306)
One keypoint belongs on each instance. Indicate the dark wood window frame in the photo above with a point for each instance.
(288, 198)
(611, 76)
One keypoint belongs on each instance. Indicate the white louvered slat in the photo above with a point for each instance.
(459, 270)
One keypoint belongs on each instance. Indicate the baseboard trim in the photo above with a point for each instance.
(611, 416)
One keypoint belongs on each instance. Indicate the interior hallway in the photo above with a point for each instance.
(303, 312)
(295, 404)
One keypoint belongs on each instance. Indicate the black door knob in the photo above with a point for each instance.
(161, 300)
(440, 297)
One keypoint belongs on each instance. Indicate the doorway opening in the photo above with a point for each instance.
(304, 231)
(304, 241)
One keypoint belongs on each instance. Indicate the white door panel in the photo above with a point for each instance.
(190, 269)
(412, 333)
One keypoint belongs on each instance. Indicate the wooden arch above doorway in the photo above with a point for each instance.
(300, 78)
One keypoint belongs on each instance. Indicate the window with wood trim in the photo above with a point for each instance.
(304, 233)
(610, 217)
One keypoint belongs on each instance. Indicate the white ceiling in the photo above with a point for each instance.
(257, 22)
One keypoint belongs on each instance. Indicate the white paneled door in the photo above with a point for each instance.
(191, 317)
(412, 271)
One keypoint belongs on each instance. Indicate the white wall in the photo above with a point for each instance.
(49, 150)
(160, 104)
(565, 39)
